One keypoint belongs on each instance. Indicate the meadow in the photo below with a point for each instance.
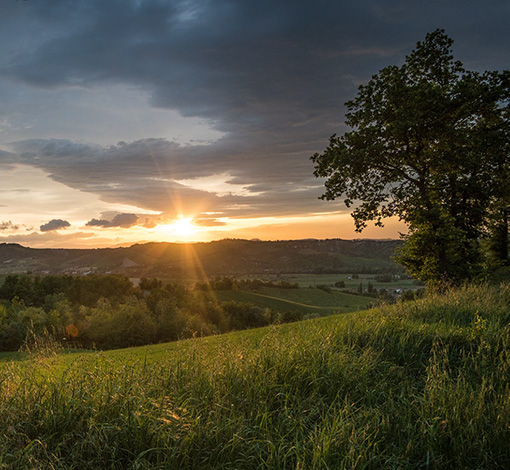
(422, 384)
(306, 280)
(306, 300)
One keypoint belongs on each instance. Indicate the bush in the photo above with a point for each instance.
(324, 287)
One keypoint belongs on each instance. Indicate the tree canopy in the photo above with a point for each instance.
(429, 144)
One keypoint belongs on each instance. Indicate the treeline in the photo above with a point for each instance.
(250, 285)
(107, 311)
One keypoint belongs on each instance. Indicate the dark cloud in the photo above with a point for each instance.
(272, 75)
(54, 224)
(143, 174)
(248, 67)
(120, 220)
(8, 226)
(98, 223)
(124, 220)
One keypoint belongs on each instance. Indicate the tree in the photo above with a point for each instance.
(429, 144)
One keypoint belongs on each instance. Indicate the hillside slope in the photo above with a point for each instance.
(224, 257)
(305, 300)
(415, 385)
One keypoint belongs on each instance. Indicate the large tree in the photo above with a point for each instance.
(429, 144)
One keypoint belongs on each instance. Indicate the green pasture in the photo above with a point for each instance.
(305, 300)
(312, 280)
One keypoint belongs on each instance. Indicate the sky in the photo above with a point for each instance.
(187, 120)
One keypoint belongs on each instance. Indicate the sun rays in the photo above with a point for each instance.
(181, 228)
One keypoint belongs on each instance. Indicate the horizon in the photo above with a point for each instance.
(129, 245)
(189, 122)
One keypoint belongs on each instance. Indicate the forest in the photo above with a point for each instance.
(108, 311)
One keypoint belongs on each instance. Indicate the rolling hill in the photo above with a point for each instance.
(199, 260)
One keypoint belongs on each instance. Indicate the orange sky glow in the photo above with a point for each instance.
(44, 199)
(190, 121)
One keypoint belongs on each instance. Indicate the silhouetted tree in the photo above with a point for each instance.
(429, 144)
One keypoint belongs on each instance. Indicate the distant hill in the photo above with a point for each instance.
(224, 257)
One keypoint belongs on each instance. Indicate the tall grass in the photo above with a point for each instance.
(415, 385)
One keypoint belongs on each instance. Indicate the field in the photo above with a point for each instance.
(313, 280)
(305, 280)
(413, 385)
(304, 300)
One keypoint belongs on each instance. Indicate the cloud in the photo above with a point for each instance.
(54, 224)
(120, 220)
(52, 239)
(98, 223)
(272, 76)
(8, 226)
(150, 221)
(144, 173)
(247, 67)
(209, 222)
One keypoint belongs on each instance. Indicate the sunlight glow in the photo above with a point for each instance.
(182, 227)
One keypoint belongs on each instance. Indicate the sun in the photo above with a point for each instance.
(182, 227)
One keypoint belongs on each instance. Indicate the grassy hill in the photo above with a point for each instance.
(415, 385)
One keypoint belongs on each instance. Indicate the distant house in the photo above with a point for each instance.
(127, 263)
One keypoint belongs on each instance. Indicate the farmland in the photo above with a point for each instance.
(306, 300)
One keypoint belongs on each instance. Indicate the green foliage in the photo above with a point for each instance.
(324, 287)
(108, 312)
(430, 145)
(251, 285)
(83, 290)
(290, 316)
(497, 243)
(440, 254)
(414, 385)
(242, 315)
(150, 284)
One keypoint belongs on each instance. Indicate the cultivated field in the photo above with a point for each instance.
(305, 300)
(305, 280)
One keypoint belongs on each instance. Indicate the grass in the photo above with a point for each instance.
(305, 280)
(305, 300)
(415, 385)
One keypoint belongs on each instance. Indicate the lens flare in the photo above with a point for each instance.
(183, 227)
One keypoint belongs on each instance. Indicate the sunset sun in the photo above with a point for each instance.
(182, 227)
